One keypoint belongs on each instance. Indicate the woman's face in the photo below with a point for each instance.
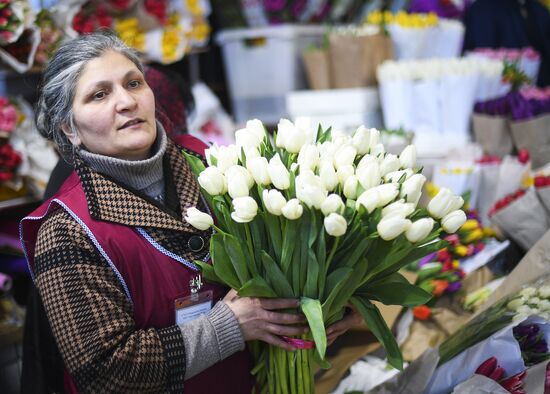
(114, 109)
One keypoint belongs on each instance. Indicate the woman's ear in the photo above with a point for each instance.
(71, 135)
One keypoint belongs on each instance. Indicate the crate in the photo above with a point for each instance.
(262, 65)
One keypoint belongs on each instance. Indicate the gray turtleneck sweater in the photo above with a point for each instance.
(211, 337)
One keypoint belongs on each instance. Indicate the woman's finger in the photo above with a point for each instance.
(285, 330)
(284, 318)
(279, 303)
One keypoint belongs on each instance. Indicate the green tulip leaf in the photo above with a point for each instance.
(314, 315)
(257, 287)
(395, 290)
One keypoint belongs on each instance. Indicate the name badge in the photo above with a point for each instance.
(191, 307)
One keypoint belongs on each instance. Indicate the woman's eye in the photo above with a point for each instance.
(134, 83)
(99, 95)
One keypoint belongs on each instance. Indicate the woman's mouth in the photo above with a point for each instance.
(131, 123)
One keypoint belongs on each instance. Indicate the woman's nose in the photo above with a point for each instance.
(124, 100)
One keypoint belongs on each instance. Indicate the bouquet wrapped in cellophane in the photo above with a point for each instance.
(324, 217)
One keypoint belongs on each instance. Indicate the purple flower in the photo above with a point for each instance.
(453, 287)
(426, 259)
(298, 8)
(274, 5)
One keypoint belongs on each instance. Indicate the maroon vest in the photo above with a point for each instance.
(152, 277)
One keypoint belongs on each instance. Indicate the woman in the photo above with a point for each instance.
(111, 254)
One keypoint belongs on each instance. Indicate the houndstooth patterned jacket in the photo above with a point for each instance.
(89, 312)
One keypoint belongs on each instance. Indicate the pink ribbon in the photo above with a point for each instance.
(299, 343)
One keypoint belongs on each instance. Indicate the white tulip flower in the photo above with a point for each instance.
(411, 189)
(389, 164)
(344, 173)
(392, 227)
(419, 230)
(515, 304)
(399, 208)
(366, 160)
(544, 305)
(227, 156)
(528, 292)
(370, 199)
(350, 187)
(200, 220)
(310, 189)
(251, 153)
(525, 310)
(387, 193)
(375, 141)
(213, 181)
(274, 201)
(453, 221)
(407, 158)
(544, 292)
(289, 136)
(308, 158)
(240, 171)
(257, 127)
(328, 176)
(368, 175)
(345, 156)
(361, 140)
(245, 209)
(280, 177)
(258, 167)
(246, 139)
(395, 176)
(335, 225)
(333, 203)
(441, 204)
(211, 153)
(327, 151)
(292, 209)
(304, 124)
(340, 138)
(377, 150)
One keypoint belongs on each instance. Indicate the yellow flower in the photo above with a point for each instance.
(456, 264)
(194, 7)
(470, 224)
(432, 189)
(461, 250)
(374, 18)
(475, 235)
(488, 232)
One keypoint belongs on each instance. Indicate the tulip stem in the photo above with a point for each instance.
(332, 252)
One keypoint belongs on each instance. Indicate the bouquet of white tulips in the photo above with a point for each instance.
(327, 218)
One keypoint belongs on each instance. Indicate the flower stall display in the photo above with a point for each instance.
(521, 216)
(164, 31)
(10, 159)
(445, 89)
(352, 208)
(497, 332)
(51, 36)
(420, 36)
(12, 21)
(526, 59)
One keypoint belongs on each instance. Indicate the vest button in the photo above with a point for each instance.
(195, 243)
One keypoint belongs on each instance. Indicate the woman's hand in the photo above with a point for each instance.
(258, 320)
(351, 319)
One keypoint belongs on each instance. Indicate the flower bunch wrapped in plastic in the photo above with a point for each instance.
(324, 217)
(10, 21)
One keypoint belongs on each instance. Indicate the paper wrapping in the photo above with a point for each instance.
(426, 116)
(457, 98)
(479, 384)
(396, 98)
(354, 58)
(410, 43)
(535, 379)
(317, 65)
(32, 38)
(534, 265)
(544, 197)
(534, 135)
(523, 220)
(493, 134)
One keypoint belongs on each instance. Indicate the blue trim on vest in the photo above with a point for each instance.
(88, 232)
(168, 253)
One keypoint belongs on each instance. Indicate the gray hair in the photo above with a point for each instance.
(54, 107)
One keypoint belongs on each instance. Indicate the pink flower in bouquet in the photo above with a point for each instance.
(542, 181)
(530, 53)
(8, 118)
(274, 5)
(157, 8)
(9, 161)
(523, 156)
